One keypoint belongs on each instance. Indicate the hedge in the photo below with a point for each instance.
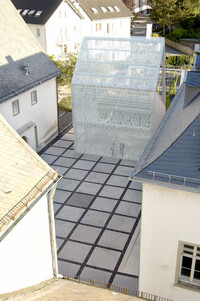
(178, 61)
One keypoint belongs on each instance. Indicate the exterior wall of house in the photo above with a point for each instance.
(41, 117)
(63, 31)
(39, 31)
(168, 217)
(27, 251)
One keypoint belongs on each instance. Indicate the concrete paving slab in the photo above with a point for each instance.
(104, 204)
(97, 177)
(108, 191)
(70, 213)
(60, 169)
(80, 200)
(133, 196)
(63, 143)
(127, 163)
(81, 164)
(95, 218)
(114, 240)
(74, 251)
(66, 162)
(86, 234)
(129, 209)
(125, 281)
(63, 228)
(59, 242)
(68, 269)
(118, 181)
(136, 185)
(61, 196)
(68, 184)
(102, 167)
(56, 206)
(121, 223)
(109, 160)
(90, 188)
(68, 136)
(71, 154)
(104, 258)
(77, 174)
(123, 171)
(48, 158)
(91, 273)
(57, 151)
(90, 157)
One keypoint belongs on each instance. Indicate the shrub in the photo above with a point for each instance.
(155, 35)
(179, 61)
(65, 104)
(178, 34)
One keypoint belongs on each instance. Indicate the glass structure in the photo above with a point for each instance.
(115, 105)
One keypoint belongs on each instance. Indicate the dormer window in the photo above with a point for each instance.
(38, 13)
(31, 12)
(110, 8)
(25, 12)
(19, 10)
(116, 8)
(103, 9)
(94, 10)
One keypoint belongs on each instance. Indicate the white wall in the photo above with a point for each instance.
(43, 113)
(168, 216)
(25, 253)
(39, 31)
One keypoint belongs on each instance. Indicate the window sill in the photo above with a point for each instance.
(188, 286)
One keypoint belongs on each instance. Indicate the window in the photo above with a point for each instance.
(31, 12)
(103, 9)
(38, 13)
(94, 10)
(110, 8)
(108, 28)
(25, 12)
(15, 107)
(116, 8)
(38, 32)
(33, 97)
(189, 270)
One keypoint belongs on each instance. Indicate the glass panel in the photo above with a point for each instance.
(186, 266)
(197, 270)
(188, 249)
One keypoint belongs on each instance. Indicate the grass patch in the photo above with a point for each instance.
(65, 104)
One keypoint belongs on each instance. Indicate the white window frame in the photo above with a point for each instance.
(189, 251)
(104, 10)
(15, 107)
(38, 32)
(33, 97)
(94, 10)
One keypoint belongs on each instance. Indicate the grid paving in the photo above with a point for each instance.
(97, 215)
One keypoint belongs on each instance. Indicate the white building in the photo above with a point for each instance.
(27, 232)
(60, 25)
(169, 170)
(28, 92)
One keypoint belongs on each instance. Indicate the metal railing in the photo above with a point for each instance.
(170, 178)
(116, 288)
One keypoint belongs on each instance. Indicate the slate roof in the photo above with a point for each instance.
(123, 11)
(23, 64)
(21, 169)
(172, 156)
(39, 12)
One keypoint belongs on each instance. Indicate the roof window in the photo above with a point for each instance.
(25, 12)
(38, 13)
(110, 8)
(103, 9)
(19, 10)
(31, 12)
(94, 10)
(116, 8)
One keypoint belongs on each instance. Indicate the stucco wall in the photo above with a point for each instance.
(43, 113)
(39, 35)
(168, 216)
(25, 253)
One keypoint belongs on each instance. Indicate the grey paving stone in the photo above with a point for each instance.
(103, 167)
(133, 196)
(99, 275)
(56, 207)
(63, 143)
(74, 251)
(81, 164)
(90, 157)
(129, 209)
(123, 171)
(71, 131)
(118, 181)
(68, 184)
(71, 154)
(61, 196)
(80, 200)
(63, 228)
(121, 223)
(67, 268)
(59, 242)
(104, 204)
(64, 162)
(109, 160)
(77, 174)
(70, 213)
(111, 192)
(97, 177)
(95, 218)
(57, 151)
(61, 170)
(90, 188)
(104, 258)
(68, 136)
(85, 234)
(136, 185)
(127, 163)
(124, 281)
(48, 158)
(113, 240)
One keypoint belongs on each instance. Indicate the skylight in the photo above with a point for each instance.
(31, 12)
(38, 13)
(94, 10)
(25, 12)
(110, 8)
(19, 10)
(103, 9)
(116, 8)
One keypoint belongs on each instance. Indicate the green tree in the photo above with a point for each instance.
(163, 12)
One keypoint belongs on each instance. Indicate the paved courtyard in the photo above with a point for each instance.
(97, 215)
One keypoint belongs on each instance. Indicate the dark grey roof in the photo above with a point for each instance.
(87, 6)
(22, 75)
(173, 154)
(198, 62)
(193, 79)
(43, 9)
